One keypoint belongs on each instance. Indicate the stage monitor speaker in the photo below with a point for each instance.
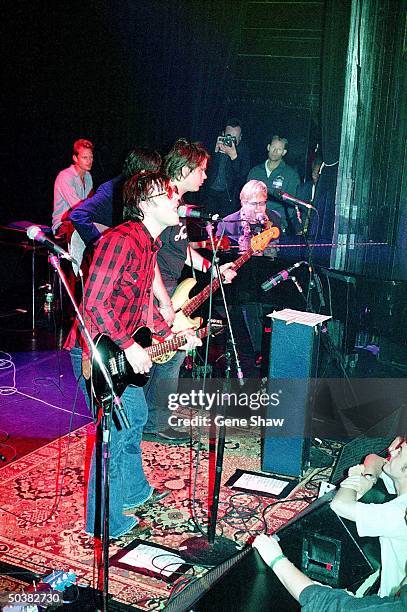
(316, 541)
(243, 583)
(293, 362)
(328, 548)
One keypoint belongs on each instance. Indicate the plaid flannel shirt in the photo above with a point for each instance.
(117, 292)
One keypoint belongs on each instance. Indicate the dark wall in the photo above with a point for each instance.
(146, 72)
(67, 77)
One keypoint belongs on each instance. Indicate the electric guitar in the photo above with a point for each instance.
(184, 306)
(120, 370)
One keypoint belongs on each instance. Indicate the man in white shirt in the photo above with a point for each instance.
(72, 185)
(385, 521)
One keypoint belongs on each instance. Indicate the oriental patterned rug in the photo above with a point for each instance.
(42, 507)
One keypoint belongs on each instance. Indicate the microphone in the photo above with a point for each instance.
(35, 233)
(283, 275)
(287, 197)
(260, 218)
(190, 212)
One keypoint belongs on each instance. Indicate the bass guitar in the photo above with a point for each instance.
(120, 370)
(184, 306)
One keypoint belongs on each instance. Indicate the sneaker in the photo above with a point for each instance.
(155, 497)
(173, 436)
(149, 436)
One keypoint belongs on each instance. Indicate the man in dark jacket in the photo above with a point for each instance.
(228, 169)
(278, 175)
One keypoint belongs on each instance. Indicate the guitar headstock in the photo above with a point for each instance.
(260, 242)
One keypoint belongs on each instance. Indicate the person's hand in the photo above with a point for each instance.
(227, 272)
(191, 340)
(356, 481)
(167, 312)
(229, 151)
(138, 358)
(268, 548)
(373, 465)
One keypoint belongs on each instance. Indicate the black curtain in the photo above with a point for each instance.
(335, 44)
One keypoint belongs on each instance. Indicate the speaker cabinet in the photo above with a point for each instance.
(293, 362)
(327, 548)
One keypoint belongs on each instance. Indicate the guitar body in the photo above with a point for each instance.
(115, 361)
(181, 294)
(120, 370)
(181, 323)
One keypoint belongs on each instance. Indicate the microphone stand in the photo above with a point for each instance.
(109, 402)
(216, 550)
(315, 281)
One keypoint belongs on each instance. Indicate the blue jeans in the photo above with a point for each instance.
(128, 484)
(163, 380)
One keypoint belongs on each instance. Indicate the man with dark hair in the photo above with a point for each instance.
(229, 168)
(278, 175)
(71, 186)
(107, 203)
(116, 302)
(185, 166)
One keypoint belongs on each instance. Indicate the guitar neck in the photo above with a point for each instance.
(202, 244)
(200, 298)
(161, 348)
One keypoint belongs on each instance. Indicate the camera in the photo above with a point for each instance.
(227, 140)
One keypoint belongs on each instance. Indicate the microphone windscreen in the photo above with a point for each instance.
(33, 231)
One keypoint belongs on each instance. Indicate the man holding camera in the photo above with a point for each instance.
(228, 169)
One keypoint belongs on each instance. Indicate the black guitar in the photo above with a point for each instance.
(120, 369)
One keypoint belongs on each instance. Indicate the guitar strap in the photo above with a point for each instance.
(150, 311)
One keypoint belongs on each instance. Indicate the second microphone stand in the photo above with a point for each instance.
(214, 550)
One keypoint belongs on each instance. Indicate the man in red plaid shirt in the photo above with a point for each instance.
(117, 302)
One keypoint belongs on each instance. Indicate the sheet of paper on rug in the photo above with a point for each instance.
(153, 559)
(263, 484)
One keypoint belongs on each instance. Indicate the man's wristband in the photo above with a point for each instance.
(370, 477)
(274, 561)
